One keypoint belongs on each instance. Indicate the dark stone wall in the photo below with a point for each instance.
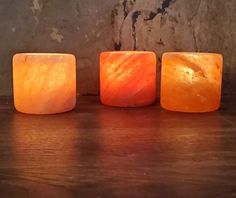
(88, 27)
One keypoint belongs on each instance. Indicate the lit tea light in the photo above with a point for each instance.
(44, 83)
(128, 78)
(191, 82)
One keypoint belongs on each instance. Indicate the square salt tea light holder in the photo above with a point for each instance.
(191, 82)
(127, 78)
(44, 83)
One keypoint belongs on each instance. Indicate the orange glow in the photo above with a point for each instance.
(128, 78)
(191, 82)
(44, 83)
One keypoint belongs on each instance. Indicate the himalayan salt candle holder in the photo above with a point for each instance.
(44, 83)
(127, 78)
(191, 82)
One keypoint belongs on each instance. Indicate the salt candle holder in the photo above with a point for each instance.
(127, 78)
(191, 82)
(44, 83)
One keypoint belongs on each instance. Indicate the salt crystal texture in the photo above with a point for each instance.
(191, 82)
(44, 83)
(128, 78)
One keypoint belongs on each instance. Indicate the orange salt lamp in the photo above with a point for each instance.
(191, 82)
(127, 78)
(44, 83)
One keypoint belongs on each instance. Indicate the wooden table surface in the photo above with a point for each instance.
(97, 151)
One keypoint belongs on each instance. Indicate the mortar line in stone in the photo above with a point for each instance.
(196, 13)
(194, 37)
(196, 47)
(77, 7)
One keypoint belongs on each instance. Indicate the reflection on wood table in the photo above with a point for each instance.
(98, 151)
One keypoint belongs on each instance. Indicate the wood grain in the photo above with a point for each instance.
(98, 151)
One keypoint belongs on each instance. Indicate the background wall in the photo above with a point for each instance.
(87, 27)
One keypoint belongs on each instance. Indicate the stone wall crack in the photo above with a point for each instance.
(162, 10)
(135, 16)
(127, 8)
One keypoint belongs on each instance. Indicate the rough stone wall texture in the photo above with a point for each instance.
(88, 27)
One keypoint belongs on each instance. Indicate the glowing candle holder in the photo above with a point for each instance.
(128, 78)
(44, 83)
(191, 82)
